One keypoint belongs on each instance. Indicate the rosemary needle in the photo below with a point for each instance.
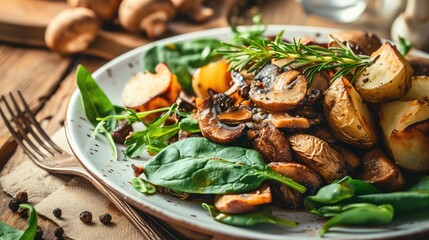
(254, 54)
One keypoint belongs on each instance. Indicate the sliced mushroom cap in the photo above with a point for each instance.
(286, 91)
(318, 155)
(72, 30)
(210, 125)
(300, 174)
(379, 170)
(270, 143)
(244, 202)
(284, 120)
(235, 115)
(267, 74)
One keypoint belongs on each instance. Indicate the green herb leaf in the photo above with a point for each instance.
(421, 185)
(181, 57)
(338, 191)
(363, 214)
(95, 101)
(8, 232)
(142, 186)
(403, 202)
(30, 232)
(196, 165)
(404, 46)
(256, 31)
(247, 219)
(189, 124)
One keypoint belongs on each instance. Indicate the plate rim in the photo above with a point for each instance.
(149, 208)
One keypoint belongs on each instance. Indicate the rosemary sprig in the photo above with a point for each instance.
(256, 53)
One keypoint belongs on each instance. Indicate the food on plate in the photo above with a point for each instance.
(380, 171)
(348, 115)
(388, 78)
(264, 122)
(147, 91)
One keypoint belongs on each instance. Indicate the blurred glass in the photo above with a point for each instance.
(338, 10)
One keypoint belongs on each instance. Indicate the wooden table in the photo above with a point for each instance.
(47, 80)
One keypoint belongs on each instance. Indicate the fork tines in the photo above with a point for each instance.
(26, 131)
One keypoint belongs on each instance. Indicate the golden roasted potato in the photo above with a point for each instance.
(213, 76)
(318, 155)
(406, 133)
(388, 78)
(419, 89)
(380, 171)
(146, 91)
(348, 116)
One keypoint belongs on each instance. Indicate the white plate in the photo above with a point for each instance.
(96, 157)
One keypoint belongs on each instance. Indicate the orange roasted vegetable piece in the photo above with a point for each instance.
(214, 76)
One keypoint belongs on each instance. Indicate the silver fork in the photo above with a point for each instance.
(47, 155)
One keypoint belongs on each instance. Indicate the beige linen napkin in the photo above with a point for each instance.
(47, 192)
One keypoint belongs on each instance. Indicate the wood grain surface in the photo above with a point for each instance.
(47, 79)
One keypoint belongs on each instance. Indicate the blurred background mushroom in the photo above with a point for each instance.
(106, 10)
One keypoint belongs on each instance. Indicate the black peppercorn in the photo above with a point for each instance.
(23, 212)
(22, 197)
(105, 218)
(39, 234)
(14, 204)
(85, 216)
(57, 212)
(59, 232)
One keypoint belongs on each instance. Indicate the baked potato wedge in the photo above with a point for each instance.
(318, 155)
(347, 115)
(405, 128)
(388, 78)
(367, 42)
(213, 76)
(146, 91)
(380, 171)
(419, 89)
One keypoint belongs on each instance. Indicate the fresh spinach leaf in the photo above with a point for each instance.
(421, 185)
(189, 124)
(196, 165)
(337, 191)
(95, 101)
(404, 46)
(181, 57)
(247, 219)
(361, 214)
(8, 232)
(142, 186)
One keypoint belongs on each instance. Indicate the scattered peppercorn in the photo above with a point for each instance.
(57, 212)
(39, 234)
(59, 232)
(105, 218)
(22, 197)
(14, 204)
(23, 212)
(85, 216)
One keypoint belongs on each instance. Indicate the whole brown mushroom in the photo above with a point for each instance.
(193, 9)
(106, 10)
(72, 30)
(149, 16)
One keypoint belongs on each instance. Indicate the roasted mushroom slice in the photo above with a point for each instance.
(286, 91)
(318, 155)
(284, 120)
(353, 162)
(270, 143)
(244, 202)
(268, 74)
(379, 170)
(235, 115)
(348, 116)
(211, 127)
(366, 41)
(300, 174)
